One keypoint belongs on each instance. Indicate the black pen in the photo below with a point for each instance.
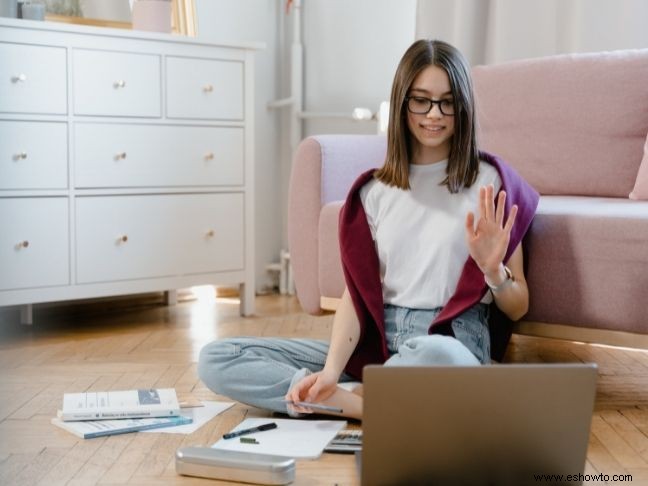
(259, 428)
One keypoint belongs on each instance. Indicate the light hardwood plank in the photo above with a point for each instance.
(625, 429)
(639, 475)
(638, 417)
(17, 399)
(104, 382)
(129, 460)
(36, 469)
(158, 458)
(590, 471)
(45, 355)
(171, 376)
(72, 462)
(601, 459)
(95, 469)
(11, 468)
(188, 380)
(34, 406)
(618, 448)
(131, 342)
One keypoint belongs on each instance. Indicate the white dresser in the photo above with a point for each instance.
(126, 163)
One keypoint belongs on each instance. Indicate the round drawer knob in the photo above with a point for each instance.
(122, 239)
(19, 78)
(22, 244)
(210, 233)
(119, 84)
(20, 156)
(208, 88)
(209, 156)
(120, 156)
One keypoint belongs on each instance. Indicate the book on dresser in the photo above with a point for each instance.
(126, 404)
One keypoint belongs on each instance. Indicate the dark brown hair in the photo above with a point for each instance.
(463, 161)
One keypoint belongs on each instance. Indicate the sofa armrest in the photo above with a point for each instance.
(324, 168)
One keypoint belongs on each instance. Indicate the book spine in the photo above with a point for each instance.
(121, 414)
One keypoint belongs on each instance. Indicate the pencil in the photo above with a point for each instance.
(315, 406)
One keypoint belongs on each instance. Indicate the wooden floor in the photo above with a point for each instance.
(128, 343)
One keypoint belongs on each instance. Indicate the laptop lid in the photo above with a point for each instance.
(499, 424)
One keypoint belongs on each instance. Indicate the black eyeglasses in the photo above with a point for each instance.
(420, 105)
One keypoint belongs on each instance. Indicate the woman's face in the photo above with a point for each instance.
(432, 131)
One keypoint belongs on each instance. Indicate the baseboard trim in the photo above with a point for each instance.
(582, 334)
(554, 331)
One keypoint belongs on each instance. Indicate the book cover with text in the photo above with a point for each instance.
(161, 402)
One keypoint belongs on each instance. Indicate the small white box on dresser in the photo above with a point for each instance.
(126, 163)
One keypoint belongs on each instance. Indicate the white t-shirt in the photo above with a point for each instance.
(420, 234)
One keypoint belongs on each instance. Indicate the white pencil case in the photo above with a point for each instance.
(246, 467)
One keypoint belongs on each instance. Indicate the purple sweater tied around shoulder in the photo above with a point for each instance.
(362, 272)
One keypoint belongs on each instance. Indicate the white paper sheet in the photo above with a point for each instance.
(200, 416)
(302, 439)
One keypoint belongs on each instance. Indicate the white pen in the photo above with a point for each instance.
(314, 406)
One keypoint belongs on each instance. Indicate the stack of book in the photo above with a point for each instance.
(96, 414)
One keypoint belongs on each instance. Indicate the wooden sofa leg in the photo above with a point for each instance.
(329, 303)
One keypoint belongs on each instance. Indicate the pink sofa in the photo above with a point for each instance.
(574, 126)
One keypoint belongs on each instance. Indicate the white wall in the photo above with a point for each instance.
(352, 49)
(494, 31)
(520, 29)
(601, 25)
(256, 20)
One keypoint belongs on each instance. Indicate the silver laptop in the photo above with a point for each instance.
(486, 425)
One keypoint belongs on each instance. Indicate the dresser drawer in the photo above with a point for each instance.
(132, 237)
(33, 79)
(125, 237)
(111, 155)
(204, 88)
(33, 242)
(33, 155)
(211, 235)
(116, 84)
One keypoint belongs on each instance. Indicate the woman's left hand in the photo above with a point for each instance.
(489, 239)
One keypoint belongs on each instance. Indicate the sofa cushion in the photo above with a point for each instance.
(640, 190)
(570, 124)
(588, 263)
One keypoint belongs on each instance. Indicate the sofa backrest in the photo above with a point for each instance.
(344, 158)
(570, 124)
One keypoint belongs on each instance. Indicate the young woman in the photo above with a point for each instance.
(431, 251)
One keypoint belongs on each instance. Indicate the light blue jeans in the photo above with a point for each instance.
(259, 371)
